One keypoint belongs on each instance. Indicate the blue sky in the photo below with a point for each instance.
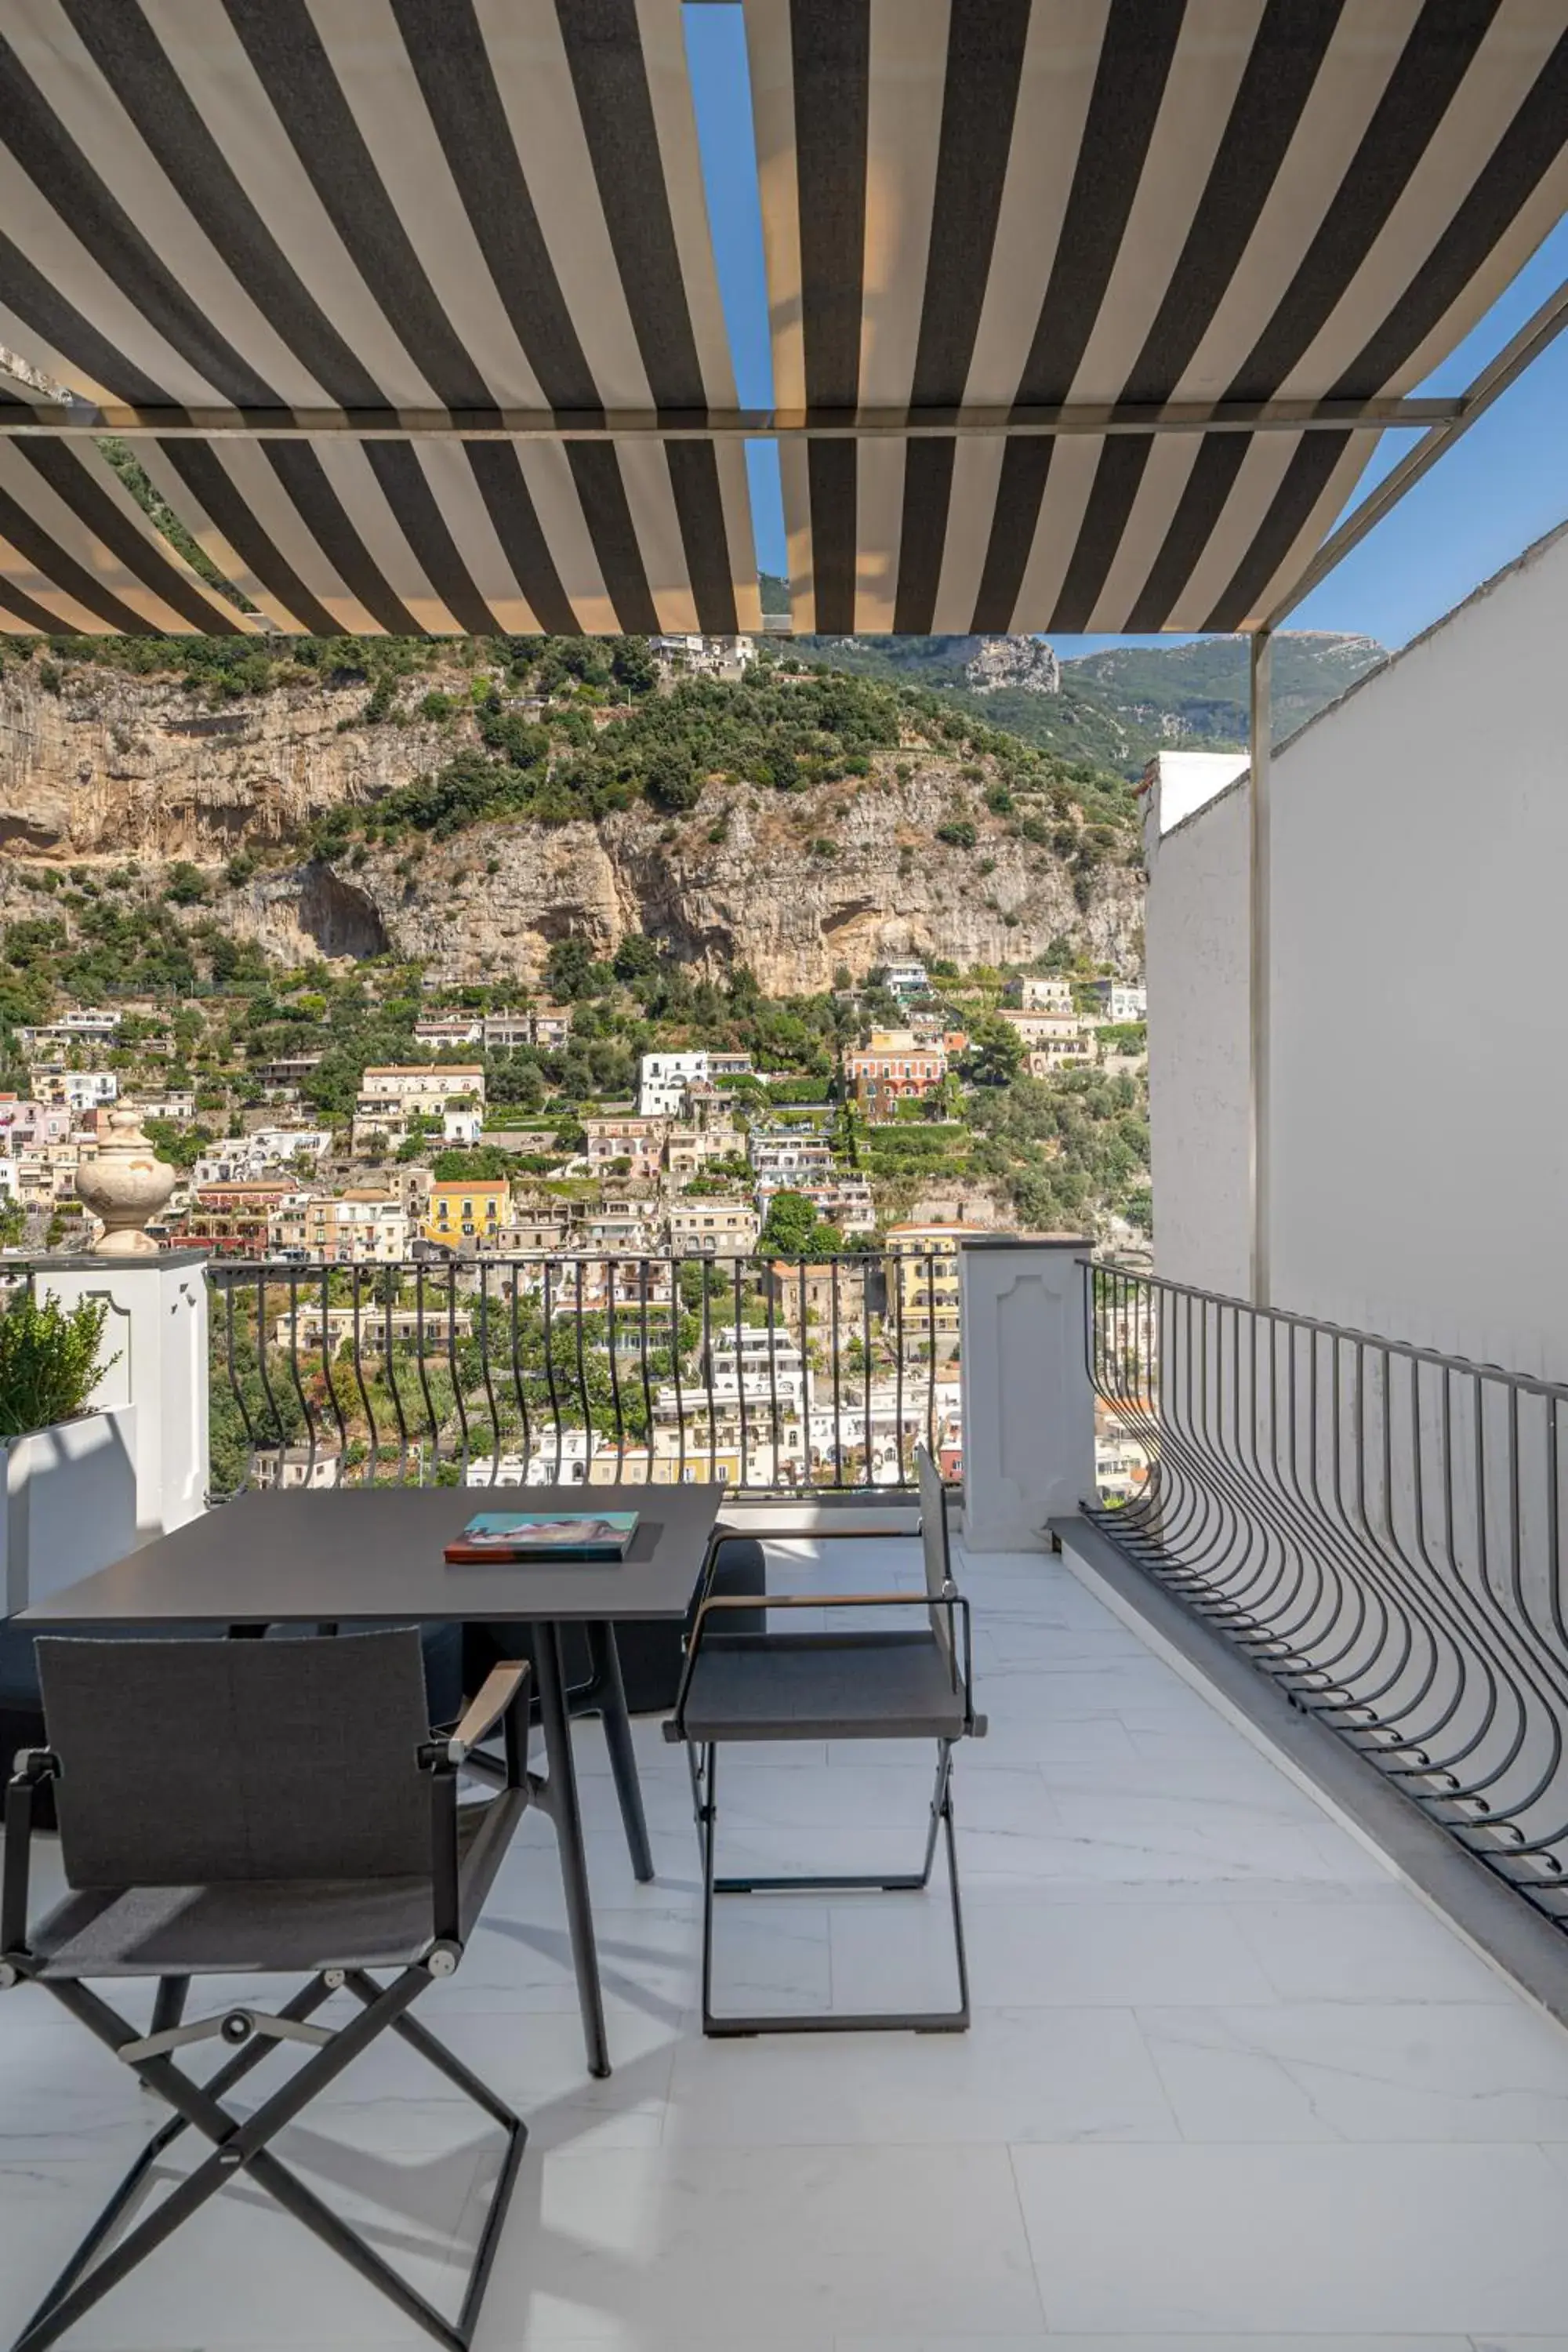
(1503, 484)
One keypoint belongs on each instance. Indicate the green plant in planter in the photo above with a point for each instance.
(49, 1362)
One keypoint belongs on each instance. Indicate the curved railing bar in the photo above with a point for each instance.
(1439, 1650)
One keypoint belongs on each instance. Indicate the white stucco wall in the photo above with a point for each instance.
(1187, 781)
(1419, 979)
(1196, 945)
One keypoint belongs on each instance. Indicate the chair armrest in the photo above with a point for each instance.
(502, 1687)
(797, 1523)
(950, 1600)
(34, 1765)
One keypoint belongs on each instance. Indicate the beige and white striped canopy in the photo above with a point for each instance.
(1086, 313)
(985, 204)
(450, 207)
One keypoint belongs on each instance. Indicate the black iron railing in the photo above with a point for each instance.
(546, 1370)
(1378, 1526)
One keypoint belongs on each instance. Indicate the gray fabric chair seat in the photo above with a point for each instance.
(260, 1924)
(849, 1686)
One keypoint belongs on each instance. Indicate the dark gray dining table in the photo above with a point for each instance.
(346, 1556)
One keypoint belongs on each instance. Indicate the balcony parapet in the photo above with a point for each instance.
(1027, 1407)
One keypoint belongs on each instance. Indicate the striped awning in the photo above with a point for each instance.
(464, 207)
(984, 206)
(327, 533)
(80, 558)
(1085, 314)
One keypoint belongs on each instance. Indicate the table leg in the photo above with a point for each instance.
(610, 1698)
(558, 1796)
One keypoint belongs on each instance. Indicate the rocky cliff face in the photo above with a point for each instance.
(1026, 662)
(126, 767)
(794, 886)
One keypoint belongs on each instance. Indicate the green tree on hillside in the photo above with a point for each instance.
(995, 1053)
(794, 1228)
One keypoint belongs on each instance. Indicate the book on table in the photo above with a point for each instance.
(515, 1536)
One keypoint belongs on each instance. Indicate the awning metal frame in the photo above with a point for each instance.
(749, 424)
(1538, 332)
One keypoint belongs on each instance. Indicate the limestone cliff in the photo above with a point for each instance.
(111, 768)
(122, 767)
(1026, 662)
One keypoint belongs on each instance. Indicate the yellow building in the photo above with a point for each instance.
(923, 1286)
(470, 1209)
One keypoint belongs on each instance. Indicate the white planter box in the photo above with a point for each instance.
(70, 1503)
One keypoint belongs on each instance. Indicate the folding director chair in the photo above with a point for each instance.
(263, 1807)
(890, 1683)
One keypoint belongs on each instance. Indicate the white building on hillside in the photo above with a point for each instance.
(85, 1024)
(663, 1081)
(84, 1089)
(393, 1094)
(690, 656)
(1119, 1001)
(448, 1029)
(272, 1146)
(503, 1033)
(781, 1154)
(269, 1147)
(844, 1200)
(1058, 1029)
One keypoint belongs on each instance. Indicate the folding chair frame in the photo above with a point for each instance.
(704, 1785)
(242, 2144)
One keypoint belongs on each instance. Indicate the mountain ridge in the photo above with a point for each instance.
(1116, 708)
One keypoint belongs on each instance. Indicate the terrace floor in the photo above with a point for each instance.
(1228, 2082)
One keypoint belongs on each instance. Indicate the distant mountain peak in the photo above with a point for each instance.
(1116, 707)
(1029, 663)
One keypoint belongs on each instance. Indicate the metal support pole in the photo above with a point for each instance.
(1259, 1039)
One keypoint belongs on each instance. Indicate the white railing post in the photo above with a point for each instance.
(1028, 1408)
(157, 1327)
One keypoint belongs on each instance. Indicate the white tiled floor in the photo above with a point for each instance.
(1228, 2083)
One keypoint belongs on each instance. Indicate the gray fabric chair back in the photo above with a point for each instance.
(188, 1763)
(934, 1539)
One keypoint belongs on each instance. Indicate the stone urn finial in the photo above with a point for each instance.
(125, 1184)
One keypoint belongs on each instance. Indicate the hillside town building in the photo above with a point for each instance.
(664, 1079)
(717, 1228)
(1046, 996)
(922, 1281)
(467, 1212)
(389, 1097)
(625, 1146)
(896, 1067)
(364, 1225)
(1119, 1001)
(1048, 1028)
